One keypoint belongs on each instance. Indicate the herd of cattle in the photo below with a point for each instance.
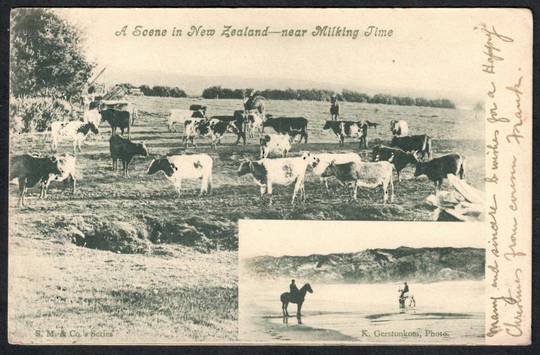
(348, 168)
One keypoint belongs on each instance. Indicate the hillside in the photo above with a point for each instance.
(375, 265)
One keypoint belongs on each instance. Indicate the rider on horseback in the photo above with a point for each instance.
(293, 289)
(404, 290)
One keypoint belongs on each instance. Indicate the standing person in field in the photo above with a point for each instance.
(334, 108)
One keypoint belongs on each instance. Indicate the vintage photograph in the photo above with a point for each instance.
(362, 283)
(141, 138)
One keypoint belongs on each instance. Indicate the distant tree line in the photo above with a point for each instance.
(217, 92)
(158, 90)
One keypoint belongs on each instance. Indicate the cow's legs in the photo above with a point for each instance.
(178, 187)
(22, 190)
(269, 191)
(391, 183)
(355, 189)
(438, 184)
(297, 188)
(44, 186)
(204, 186)
(74, 186)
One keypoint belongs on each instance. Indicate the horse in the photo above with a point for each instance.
(286, 298)
(402, 301)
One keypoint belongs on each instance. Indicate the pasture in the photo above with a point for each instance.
(128, 256)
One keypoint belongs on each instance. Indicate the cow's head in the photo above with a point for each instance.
(264, 140)
(161, 164)
(93, 128)
(310, 159)
(88, 127)
(328, 124)
(329, 170)
(52, 165)
(421, 169)
(246, 167)
(376, 153)
(316, 162)
(140, 148)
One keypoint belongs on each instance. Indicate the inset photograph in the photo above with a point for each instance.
(367, 282)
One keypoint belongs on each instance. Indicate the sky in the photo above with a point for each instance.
(436, 53)
(298, 238)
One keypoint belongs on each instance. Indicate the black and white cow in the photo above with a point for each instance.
(124, 149)
(275, 143)
(30, 170)
(438, 168)
(213, 128)
(350, 129)
(67, 165)
(292, 126)
(187, 166)
(396, 156)
(234, 124)
(75, 131)
(416, 144)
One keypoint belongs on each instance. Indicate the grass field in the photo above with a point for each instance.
(127, 256)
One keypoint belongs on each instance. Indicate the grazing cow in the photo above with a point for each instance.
(76, 131)
(292, 126)
(181, 116)
(189, 166)
(236, 125)
(362, 174)
(399, 128)
(275, 143)
(396, 156)
(437, 168)
(323, 160)
(125, 150)
(281, 171)
(334, 108)
(214, 128)
(68, 171)
(117, 119)
(344, 129)
(29, 170)
(416, 144)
